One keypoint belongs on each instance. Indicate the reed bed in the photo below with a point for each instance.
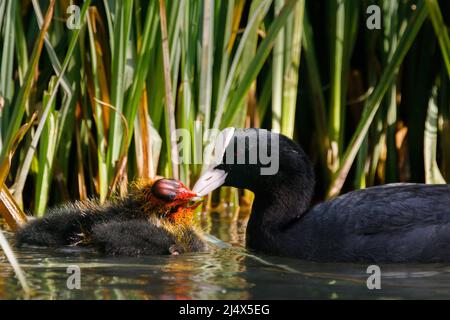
(110, 81)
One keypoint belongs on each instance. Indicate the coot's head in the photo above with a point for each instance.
(258, 160)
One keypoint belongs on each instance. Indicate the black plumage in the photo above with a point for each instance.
(389, 223)
(145, 222)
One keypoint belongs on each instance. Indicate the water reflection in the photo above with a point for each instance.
(231, 273)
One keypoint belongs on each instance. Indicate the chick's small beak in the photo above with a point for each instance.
(209, 181)
(184, 193)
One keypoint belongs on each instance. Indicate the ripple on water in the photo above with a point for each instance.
(229, 273)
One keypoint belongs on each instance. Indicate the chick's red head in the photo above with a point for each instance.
(171, 199)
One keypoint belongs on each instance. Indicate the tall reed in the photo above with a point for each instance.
(369, 106)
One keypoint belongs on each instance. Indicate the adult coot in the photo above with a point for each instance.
(389, 223)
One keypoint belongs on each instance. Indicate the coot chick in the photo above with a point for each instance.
(154, 218)
(389, 223)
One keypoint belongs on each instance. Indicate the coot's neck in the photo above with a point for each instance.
(278, 204)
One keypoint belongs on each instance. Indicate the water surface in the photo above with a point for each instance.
(230, 273)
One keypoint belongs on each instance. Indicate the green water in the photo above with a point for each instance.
(231, 273)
